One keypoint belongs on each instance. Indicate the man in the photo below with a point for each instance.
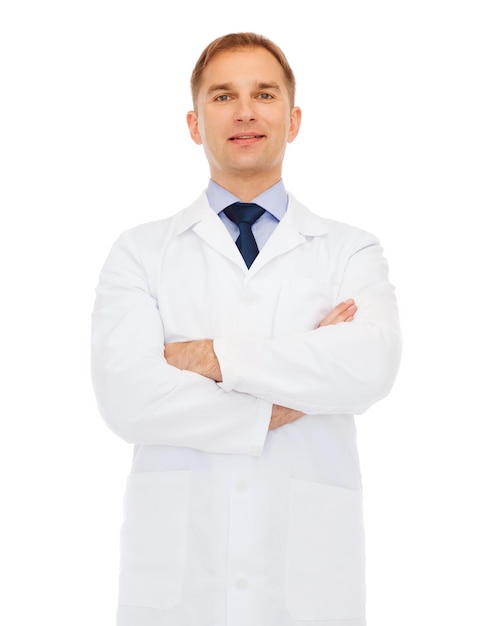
(236, 377)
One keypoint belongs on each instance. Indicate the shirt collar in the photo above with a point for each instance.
(304, 221)
(274, 200)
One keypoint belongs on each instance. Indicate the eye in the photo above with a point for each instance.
(222, 98)
(265, 96)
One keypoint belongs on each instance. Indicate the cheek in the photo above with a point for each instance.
(209, 133)
(282, 127)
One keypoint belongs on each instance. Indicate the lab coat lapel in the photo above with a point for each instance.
(293, 230)
(213, 232)
(284, 238)
(201, 218)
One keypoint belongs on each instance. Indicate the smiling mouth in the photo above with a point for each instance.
(237, 137)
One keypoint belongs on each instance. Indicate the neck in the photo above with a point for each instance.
(246, 189)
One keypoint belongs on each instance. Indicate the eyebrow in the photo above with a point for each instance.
(272, 85)
(220, 87)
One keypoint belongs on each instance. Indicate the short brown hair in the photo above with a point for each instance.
(234, 41)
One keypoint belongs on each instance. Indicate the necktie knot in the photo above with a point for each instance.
(244, 214)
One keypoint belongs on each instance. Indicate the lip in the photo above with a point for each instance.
(246, 138)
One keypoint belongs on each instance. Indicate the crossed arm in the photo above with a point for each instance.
(199, 357)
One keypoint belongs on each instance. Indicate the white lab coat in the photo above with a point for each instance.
(225, 523)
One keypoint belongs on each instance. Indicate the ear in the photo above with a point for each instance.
(295, 120)
(193, 124)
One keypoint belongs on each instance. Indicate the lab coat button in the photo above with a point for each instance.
(249, 298)
(241, 583)
(241, 486)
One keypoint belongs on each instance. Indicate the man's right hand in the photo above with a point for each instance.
(342, 312)
(280, 416)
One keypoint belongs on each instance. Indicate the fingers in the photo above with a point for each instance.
(342, 312)
(281, 415)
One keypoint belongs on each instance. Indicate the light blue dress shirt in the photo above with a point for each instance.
(274, 200)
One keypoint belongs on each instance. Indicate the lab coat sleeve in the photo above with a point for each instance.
(344, 368)
(142, 398)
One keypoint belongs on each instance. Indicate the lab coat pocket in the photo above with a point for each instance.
(153, 539)
(325, 553)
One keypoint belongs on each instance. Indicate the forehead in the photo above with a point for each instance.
(242, 66)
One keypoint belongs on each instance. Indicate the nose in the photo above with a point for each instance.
(244, 110)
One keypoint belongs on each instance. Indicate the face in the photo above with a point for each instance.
(243, 118)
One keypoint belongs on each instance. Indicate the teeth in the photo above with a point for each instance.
(246, 137)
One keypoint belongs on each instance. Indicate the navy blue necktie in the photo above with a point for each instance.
(244, 214)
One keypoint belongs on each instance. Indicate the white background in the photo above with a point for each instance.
(397, 138)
